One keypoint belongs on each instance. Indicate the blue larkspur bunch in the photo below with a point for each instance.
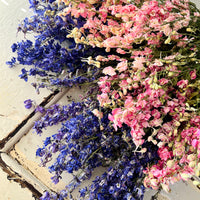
(123, 179)
(80, 141)
(52, 57)
(85, 142)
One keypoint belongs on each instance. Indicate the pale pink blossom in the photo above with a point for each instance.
(103, 99)
(156, 122)
(182, 83)
(138, 63)
(122, 66)
(137, 134)
(166, 109)
(121, 51)
(163, 81)
(166, 29)
(97, 113)
(109, 71)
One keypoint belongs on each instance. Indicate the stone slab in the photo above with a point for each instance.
(13, 90)
(9, 190)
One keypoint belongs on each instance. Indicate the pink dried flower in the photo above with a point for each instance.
(109, 71)
(122, 66)
(182, 83)
(97, 113)
(138, 63)
(116, 118)
(195, 143)
(121, 51)
(163, 81)
(179, 149)
(164, 153)
(193, 74)
(103, 99)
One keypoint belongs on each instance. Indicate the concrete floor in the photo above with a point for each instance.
(18, 162)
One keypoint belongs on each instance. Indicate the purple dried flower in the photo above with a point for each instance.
(28, 103)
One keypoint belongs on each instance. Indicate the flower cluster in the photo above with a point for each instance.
(53, 58)
(123, 179)
(85, 149)
(143, 121)
(151, 75)
(56, 114)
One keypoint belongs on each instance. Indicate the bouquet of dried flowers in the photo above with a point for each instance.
(141, 117)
